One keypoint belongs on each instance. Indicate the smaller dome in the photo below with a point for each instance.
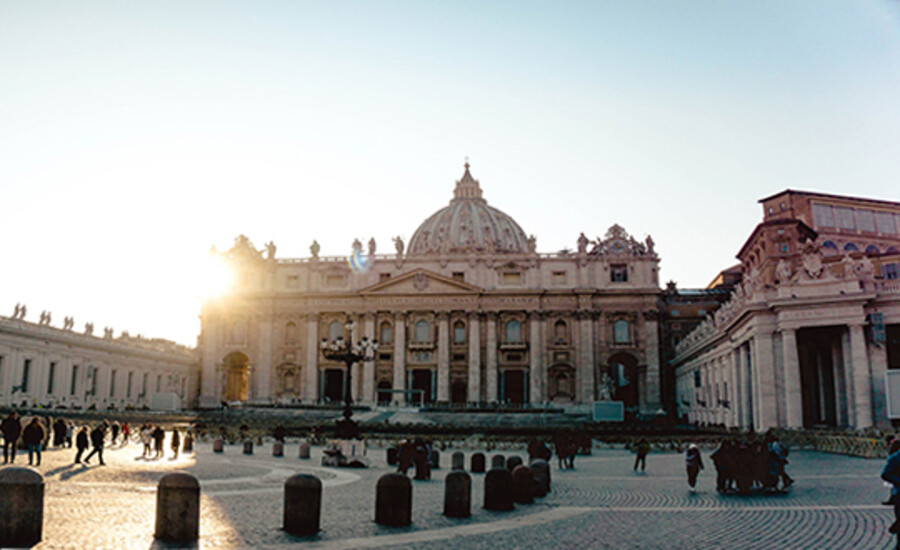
(468, 224)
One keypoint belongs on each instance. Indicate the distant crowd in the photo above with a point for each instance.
(39, 433)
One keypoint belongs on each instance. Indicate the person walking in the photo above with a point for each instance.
(97, 436)
(641, 450)
(176, 442)
(114, 430)
(891, 474)
(159, 437)
(82, 442)
(694, 464)
(33, 437)
(70, 433)
(12, 429)
(126, 431)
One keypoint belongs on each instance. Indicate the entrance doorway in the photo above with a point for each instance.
(819, 351)
(458, 392)
(237, 376)
(513, 386)
(623, 374)
(333, 381)
(422, 379)
(384, 393)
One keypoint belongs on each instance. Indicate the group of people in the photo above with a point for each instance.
(37, 434)
(568, 445)
(416, 452)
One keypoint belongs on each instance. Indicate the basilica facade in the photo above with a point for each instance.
(468, 312)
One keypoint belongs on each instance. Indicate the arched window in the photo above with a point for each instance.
(830, 244)
(850, 247)
(872, 249)
(892, 250)
(621, 332)
(561, 332)
(386, 334)
(335, 331)
(423, 332)
(290, 333)
(513, 332)
(459, 332)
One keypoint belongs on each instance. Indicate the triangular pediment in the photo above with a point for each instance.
(421, 281)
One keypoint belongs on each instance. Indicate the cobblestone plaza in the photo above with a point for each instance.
(600, 504)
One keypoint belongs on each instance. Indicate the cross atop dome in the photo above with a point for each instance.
(467, 186)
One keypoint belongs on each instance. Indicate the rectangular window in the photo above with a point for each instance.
(384, 356)
(128, 388)
(866, 219)
(112, 383)
(26, 368)
(459, 276)
(697, 381)
(823, 215)
(885, 223)
(50, 376)
(618, 273)
(559, 278)
(73, 385)
(512, 278)
(384, 277)
(844, 217)
(158, 383)
(890, 271)
(459, 334)
(458, 357)
(335, 280)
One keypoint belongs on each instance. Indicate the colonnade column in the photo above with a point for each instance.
(586, 357)
(862, 378)
(368, 376)
(473, 392)
(765, 390)
(399, 356)
(879, 361)
(651, 326)
(847, 364)
(491, 359)
(443, 358)
(743, 390)
(731, 393)
(311, 387)
(793, 396)
(264, 365)
(210, 393)
(356, 375)
(536, 366)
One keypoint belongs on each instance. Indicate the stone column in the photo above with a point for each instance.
(586, 358)
(368, 376)
(264, 365)
(211, 393)
(651, 326)
(767, 407)
(849, 389)
(793, 396)
(535, 367)
(311, 387)
(443, 358)
(491, 359)
(356, 375)
(742, 392)
(862, 377)
(732, 395)
(474, 389)
(879, 361)
(399, 356)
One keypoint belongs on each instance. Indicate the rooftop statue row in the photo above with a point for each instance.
(617, 241)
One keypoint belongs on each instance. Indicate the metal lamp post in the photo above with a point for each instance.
(348, 352)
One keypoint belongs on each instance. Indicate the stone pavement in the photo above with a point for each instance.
(600, 504)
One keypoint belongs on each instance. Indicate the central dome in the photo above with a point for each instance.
(468, 224)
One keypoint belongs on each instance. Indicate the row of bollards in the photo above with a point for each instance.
(277, 447)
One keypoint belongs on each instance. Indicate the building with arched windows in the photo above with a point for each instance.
(468, 312)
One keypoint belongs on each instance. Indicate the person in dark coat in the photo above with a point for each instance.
(722, 458)
(176, 442)
(405, 456)
(279, 433)
(33, 437)
(59, 432)
(421, 460)
(159, 436)
(891, 474)
(641, 451)
(97, 435)
(82, 442)
(12, 429)
(694, 464)
(114, 430)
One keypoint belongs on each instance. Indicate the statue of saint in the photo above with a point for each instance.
(357, 246)
(582, 243)
(372, 246)
(270, 250)
(314, 248)
(532, 244)
(783, 271)
(650, 244)
(398, 245)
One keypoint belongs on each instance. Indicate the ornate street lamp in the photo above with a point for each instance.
(345, 351)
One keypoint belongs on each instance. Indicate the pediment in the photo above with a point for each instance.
(421, 281)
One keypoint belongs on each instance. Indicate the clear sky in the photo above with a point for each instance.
(135, 135)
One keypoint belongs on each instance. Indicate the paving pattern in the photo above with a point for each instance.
(600, 504)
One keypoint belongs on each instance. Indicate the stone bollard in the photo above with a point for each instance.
(302, 505)
(21, 507)
(248, 447)
(513, 461)
(498, 461)
(218, 445)
(278, 449)
(304, 449)
(393, 500)
(435, 459)
(477, 463)
(523, 485)
(458, 461)
(178, 508)
(393, 456)
(188, 445)
(541, 470)
(458, 494)
(498, 490)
